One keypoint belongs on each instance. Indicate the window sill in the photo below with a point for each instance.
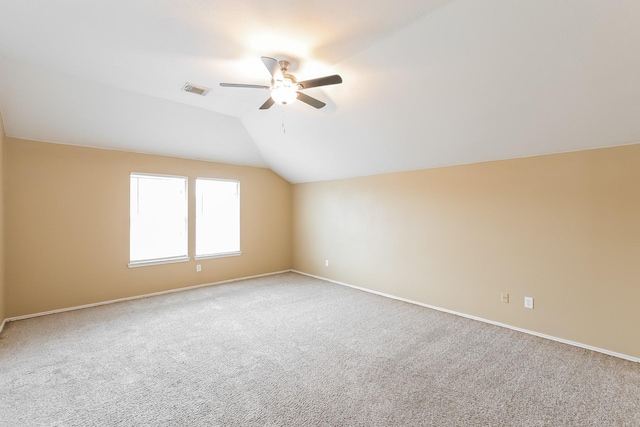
(220, 255)
(135, 264)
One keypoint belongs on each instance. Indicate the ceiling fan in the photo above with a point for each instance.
(284, 88)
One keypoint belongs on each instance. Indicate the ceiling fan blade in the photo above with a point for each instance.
(320, 81)
(273, 67)
(268, 103)
(244, 85)
(310, 100)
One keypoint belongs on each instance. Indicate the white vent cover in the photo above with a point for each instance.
(198, 90)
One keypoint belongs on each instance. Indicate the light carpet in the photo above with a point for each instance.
(289, 350)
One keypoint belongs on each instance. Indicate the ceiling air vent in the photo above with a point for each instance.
(198, 90)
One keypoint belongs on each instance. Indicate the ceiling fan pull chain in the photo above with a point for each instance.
(284, 129)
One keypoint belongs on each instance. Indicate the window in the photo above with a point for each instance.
(158, 219)
(217, 217)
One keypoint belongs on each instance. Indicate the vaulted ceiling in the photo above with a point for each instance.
(427, 83)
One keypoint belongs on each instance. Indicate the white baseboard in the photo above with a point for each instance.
(468, 316)
(480, 319)
(153, 294)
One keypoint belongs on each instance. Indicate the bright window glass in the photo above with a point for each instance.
(158, 218)
(217, 217)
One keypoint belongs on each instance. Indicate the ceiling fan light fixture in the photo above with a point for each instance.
(284, 92)
(285, 88)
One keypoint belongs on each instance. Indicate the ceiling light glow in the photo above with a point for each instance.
(284, 92)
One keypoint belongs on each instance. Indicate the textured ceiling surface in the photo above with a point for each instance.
(427, 83)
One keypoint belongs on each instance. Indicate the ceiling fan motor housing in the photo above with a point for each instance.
(284, 65)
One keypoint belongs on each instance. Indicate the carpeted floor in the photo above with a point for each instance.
(289, 350)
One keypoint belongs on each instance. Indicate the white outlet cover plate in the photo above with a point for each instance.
(528, 302)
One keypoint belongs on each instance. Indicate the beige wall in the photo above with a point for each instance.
(2, 168)
(67, 226)
(564, 229)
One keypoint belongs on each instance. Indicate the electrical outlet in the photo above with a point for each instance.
(504, 297)
(198, 268)
(528, 302)
(326, 263)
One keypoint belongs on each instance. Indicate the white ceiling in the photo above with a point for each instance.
(427, 83)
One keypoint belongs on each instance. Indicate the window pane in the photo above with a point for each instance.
(158, 217)
(217, 216)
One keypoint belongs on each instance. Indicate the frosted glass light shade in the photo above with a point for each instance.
(284, 92)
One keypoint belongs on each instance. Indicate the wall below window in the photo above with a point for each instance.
(67, 226)
(563, 229)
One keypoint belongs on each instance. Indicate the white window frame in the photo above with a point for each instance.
(217, 254)
(162, 260)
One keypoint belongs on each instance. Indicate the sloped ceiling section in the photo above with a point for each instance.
(474, 81)
(48, 106)
(427, 84)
